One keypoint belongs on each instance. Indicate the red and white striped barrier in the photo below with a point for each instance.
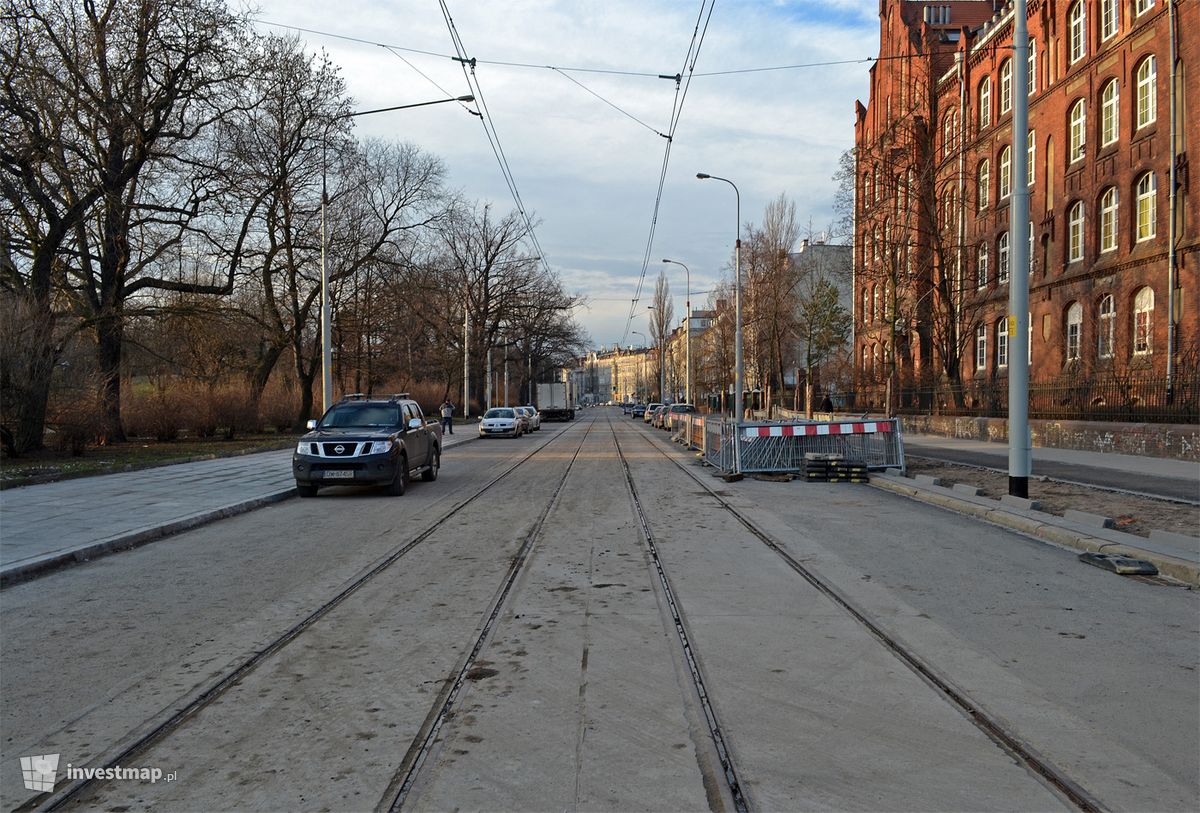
(803, 429)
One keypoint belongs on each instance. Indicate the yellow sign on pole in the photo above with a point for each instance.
(1012, 326)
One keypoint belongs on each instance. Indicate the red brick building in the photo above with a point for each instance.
(933, 154)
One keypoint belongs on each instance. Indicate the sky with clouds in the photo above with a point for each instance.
(588, 173)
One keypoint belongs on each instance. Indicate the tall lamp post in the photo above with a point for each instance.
(687, 326)
(737, 317)
(326, 318)
(643, 357)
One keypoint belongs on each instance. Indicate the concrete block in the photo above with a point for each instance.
(1086, 518)
(970, 491)
(928, 480)
(1020, 502)
(1172, 538)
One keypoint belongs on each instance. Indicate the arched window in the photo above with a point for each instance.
(1078, 129)
(985, 102)
(1077, 31)
(1143, 6)
(983, 186)
(1002, 259)
(1143, 312)
(866, 306)
(1107, 324)
(1147, 92)
(1110, 19)
(1074, 330)
(876, 313)
(1002, 343)
(981, 347)
(981, 267)
(1006, 87)
(875, 366)
(1146, 214)
(1075, 232)
(1110, 113)
(1005, 172)
(866, 359)
(1108, 220)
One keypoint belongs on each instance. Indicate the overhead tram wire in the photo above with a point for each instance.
(580, 69)
(489, 128)
(689, 66)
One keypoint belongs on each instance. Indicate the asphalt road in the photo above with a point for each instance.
(578, 692)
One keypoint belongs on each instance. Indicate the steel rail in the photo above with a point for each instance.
(425, 742)
(741, 801)
(1055, 777)
(171, 717)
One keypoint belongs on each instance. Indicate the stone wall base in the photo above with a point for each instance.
(1175, 441)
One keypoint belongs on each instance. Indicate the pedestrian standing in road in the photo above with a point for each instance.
(448, 417)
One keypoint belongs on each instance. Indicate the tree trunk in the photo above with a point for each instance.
(110, 333)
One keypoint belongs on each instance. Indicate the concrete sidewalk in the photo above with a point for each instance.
(43, 527)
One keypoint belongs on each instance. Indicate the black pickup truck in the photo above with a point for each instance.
(368, 441)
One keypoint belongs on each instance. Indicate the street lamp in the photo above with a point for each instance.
(646, 342)
(687, 322)
(326, 318)
(737, 316)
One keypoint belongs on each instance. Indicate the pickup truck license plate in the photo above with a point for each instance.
(339, 474)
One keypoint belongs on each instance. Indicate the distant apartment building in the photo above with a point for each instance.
(1113, 236)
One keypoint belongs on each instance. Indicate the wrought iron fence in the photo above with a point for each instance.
(1120, 399)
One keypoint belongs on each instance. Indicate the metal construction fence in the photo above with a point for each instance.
(780, 447)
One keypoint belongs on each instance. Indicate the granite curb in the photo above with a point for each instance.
(37, 566)
(1173, 561)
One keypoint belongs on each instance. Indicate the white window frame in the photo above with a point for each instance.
(1108, 220)
(1002, 344)
(981, 347)
(985, 102)
(1002, 255)
(1147, 92)
(1110, 112)
(1077, 31)
(1005, 172)
(1074, 331)
(1075, 221)
(984, 183)
(1143, 322)
(1078, 129)
(1143, 6)
(1147, 207)
(1006, 87)
(1107, 327)
(1031, 89)
(1110, 19)
(981, 267)
(1031, 162)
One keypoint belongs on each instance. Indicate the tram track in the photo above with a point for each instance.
(175, 715)
(991, 726)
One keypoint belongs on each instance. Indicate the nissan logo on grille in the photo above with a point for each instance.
(339, 449)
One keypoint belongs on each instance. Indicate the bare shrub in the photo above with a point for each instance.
(156, 413)
(75, 414)
(278, 406)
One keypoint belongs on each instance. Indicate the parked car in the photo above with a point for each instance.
(368, 441)
(501, 422)
(626, 407)
(649, 413)
(637, 410)
(533, 417)
(658, 416)
(676, 409)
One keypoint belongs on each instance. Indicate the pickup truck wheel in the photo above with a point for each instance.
(306, 489)
(400, 481)
(430, 474)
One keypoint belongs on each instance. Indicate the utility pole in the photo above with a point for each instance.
(1019, 441)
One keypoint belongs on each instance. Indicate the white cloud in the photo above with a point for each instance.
(588, 173)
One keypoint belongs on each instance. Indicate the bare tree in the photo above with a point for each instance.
(662, 315)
